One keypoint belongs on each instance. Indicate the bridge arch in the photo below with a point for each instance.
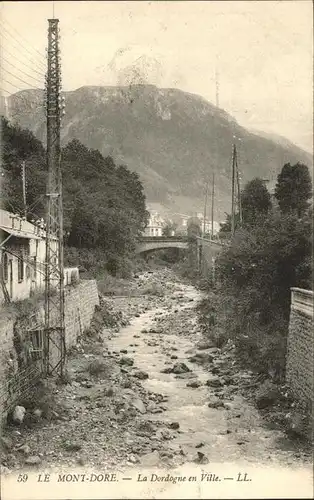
(149, 244)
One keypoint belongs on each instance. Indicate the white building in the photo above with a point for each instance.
(208, 225)
(22, 258)
(155, 224)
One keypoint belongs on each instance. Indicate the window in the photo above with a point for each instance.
(5, 267)
(20, 269)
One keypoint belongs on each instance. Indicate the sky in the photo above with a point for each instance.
(261, 51)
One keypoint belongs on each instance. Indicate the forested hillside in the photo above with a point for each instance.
(174, 140)
(104, 203)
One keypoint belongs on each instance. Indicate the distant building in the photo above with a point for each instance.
(208, 225)
(155, 224)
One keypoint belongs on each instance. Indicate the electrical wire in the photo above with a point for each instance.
(22, 37)
(23, 81)
(26, 74)
(40, 73)
(23, 46)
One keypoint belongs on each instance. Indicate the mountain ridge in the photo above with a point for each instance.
(174, 139)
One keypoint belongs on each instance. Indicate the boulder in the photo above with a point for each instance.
(180, 368)
(215, 403)
(214, 382)
(138, 404)
(126, 361)
(205, 344)
(141, 375)
(201, 357)
(194, 384)
(6, 442)
(33, 460)
(150, 459)
(18, 414)
(174, 425)
(267, 394)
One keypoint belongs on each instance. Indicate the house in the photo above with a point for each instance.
(155, 224)
(22, 257)
(208, 225)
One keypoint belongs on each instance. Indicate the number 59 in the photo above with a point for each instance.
(22, 478)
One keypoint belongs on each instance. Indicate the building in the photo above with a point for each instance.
(22, 257)
(208, 225)
(155, 224)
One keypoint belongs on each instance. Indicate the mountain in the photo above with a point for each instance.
(173, 139)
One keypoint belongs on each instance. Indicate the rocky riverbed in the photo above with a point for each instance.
(148, 390)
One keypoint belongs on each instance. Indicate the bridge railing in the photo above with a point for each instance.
(163, 238)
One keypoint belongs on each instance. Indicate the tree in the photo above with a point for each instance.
(225, 228)
(294, 188)
(193, 228)
(169, 228)
(255, 201)
(256, 273)
(104, 204)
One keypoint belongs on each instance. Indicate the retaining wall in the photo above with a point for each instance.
(300, 351)
(80, 302)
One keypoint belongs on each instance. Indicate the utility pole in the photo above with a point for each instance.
(54, 332)
(205, 208)
(238, 188)
(24, 188)
(233, 190)
(213, 201)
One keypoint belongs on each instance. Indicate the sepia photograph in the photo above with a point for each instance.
(156, 250)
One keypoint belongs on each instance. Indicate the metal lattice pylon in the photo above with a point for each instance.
(54, 333)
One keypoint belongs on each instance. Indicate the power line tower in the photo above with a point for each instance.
(54, 332)
(235, 191)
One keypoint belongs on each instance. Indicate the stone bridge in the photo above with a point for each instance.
(206, 248)
(150, 243)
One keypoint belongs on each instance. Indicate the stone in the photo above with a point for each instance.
(38, 413)
(180, 368)
(126, 361)
(214, 382)
(267, 395)
(33, 460)
(24, 449)
(174, 356)
(205, 344)
(201, 458)
(124, 351)
(186, 375)
(174, 425)
(215, 403)
(199, 445)
(18, 414)
(108, 392)
(166, 370)
(202, 357)
(141, 375)
(6, 442)
(150, 459)
(194, 384)
(296, 425)
(138, 404)
(72, 446)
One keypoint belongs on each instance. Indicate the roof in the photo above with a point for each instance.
(16, 226)
(20, 234)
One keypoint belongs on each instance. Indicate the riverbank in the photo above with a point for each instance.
(148, 390)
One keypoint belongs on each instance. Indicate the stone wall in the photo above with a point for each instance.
(207, 253)
(80, 302)
(300, 367)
